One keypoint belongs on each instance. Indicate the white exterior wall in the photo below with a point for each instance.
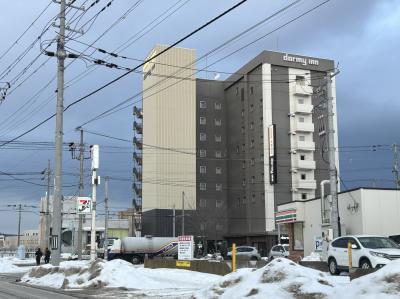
(169, 122)
(352, 220)
(381, 212)
(267, 117)
(308, 185)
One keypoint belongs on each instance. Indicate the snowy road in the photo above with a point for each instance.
(11, 289)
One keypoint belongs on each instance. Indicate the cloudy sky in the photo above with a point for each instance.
(362, 36)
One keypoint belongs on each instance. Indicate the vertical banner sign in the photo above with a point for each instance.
(272, 154)
(185, 247)
(83, 205)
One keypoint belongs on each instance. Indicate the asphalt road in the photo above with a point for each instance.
(10, 289)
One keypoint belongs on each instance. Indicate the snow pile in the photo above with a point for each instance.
(116, 273)
(384, 283)
(279, 279)
(7, 265)
(313, 257)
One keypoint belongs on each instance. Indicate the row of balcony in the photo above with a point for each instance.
(138, 189)
(304, 185)
(137, 142)
(138, 127)
(138, 112)
(137, 173)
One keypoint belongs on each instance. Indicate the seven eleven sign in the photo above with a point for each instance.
(84, 205)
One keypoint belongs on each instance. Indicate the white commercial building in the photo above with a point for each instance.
(362, 211)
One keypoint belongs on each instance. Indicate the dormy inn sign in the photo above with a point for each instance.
(302, 60)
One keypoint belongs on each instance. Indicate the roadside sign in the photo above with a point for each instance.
(318, 244)
(185, 247)
(183, 264)
(84, 205)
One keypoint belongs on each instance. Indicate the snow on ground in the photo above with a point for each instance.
(116, 273)
(8, 265)
(382, 284)
(313, 257)
(281, 278)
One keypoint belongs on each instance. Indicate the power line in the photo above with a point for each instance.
(122, 76)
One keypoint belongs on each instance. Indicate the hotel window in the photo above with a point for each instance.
(302, 157)
(218, 187)
(203, 153)
(243, 147)
(203, 169)
(252, 143)
(261, 121)
(203, 137)
(218, 138)
(218, 154)
(253, 198)
(237, 91)
(301, 119)
(218, 170)
(251, 90)
(202, 120)
(217, 122)
(252, 161)
(300, 80)
(303, 196)
(217, 106)
(243, 200)
(251, 108)
(203, 203)
(202, 226)
(243, 164)
(302, 138)
(262, 176)
(300, 101)
(243, 130)
(203, 186)
(244, 182)
(237, 149)
(219, 203)
(303, 176)
(251, 125)
(253, 179)
(242, 114)
(203, 104)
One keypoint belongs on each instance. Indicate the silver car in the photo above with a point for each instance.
(246, 252)
(279, 251)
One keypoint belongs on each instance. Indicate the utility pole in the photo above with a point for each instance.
(173, 221)
(19, 225)
(106, 218)
(95, 181)
(81, 166)
(396, 166)
(57, 204)
(183, 213)
(47, 236)
(335, 220)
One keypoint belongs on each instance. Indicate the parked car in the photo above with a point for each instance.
(245, 252)
(367, 252)
(280, 250)
(395, 238)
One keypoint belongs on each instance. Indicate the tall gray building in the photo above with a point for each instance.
(230, 150)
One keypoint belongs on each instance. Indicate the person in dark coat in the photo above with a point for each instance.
(38, 255)
(47, 254)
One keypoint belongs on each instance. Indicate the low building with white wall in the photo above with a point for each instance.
(362, 211)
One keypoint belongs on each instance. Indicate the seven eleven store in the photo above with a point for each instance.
(289, 219)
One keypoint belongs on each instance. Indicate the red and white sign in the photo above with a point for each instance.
(185, 247)
(84, 205)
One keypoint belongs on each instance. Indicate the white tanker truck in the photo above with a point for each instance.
(134, 249)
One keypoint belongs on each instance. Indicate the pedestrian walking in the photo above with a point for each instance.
(47, 254)
(38, 255)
